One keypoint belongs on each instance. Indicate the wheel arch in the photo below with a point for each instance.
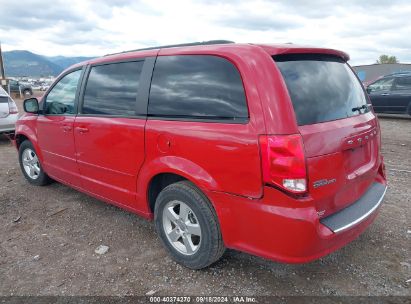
(168, 170)
(19, 138)
(24, 133)
(158, 183)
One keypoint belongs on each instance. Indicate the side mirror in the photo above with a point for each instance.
(368, 90)
(31, 105)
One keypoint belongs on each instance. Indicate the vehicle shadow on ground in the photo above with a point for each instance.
(4, 140)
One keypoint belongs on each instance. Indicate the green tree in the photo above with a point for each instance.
(387, 59)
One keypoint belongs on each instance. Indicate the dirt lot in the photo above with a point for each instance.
(48, 236)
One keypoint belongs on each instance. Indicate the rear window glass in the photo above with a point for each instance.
(4, 99)
(322, 88)
(197, 87)
(403, 83)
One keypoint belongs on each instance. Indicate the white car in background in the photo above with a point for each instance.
(8, 112)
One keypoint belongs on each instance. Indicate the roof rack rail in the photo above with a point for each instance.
(209, 42)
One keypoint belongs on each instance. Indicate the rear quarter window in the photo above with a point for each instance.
(321, 87)
(197, 87)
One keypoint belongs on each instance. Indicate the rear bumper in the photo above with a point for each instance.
(358, 211)
(283, 229)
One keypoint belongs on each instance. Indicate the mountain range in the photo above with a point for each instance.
(25, 63)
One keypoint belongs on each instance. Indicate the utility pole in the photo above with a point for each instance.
(2, 76)
(3, 80)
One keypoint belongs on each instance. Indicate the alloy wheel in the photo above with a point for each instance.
(31, 163)
(181, 227)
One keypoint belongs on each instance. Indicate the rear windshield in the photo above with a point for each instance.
(322, 87)
(4, 99)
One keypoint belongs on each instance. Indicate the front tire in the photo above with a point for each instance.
(188, 226)
(30, 165)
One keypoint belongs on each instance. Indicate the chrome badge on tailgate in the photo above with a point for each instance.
(323, 182)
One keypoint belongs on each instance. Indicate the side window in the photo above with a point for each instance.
(403, 83)
(60, 99)
(197, 86)
(381, 85)
(112, 89)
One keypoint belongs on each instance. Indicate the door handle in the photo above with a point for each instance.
(66, 128)
(385, 94)
(82, 130)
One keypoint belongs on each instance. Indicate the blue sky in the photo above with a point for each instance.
(364, 29)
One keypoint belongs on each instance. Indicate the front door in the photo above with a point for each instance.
(380, 94)
(55, 129)
(109, 136)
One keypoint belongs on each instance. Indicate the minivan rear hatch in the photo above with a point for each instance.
(4, 106)
(340, 133)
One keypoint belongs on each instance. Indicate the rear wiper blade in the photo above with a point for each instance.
(363, 107)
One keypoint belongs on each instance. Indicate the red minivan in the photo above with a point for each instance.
(273, 150)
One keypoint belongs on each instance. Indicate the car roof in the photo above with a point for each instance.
(228, 46)
(392, 75)
(398, 74)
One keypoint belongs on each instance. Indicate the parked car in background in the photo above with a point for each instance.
(391, 93)
(8, 112)
(17, 87)
(44, 87)
(267, 149)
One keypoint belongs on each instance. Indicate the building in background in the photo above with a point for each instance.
(371, 72)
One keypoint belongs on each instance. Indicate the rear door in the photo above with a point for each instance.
(340, 133)
(199, 125)
(401, 95)
(109, 130)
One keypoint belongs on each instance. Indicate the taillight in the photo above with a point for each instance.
(283, 162)
(12, 107)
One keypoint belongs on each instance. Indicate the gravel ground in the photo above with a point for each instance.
(48, 236)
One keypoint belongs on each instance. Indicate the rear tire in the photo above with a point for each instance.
(188, 226)
(30, 165)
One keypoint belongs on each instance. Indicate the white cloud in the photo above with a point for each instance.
(94, 28)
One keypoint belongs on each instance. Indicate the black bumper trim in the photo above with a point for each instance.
(358, 211)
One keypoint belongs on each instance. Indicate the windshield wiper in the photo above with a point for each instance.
(363, 107)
